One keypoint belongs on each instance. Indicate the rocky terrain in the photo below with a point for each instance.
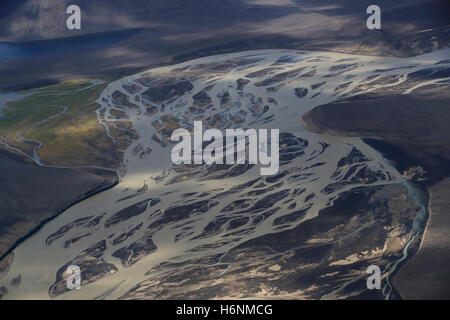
(168, 32)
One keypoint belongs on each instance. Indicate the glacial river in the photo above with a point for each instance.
(37, 261)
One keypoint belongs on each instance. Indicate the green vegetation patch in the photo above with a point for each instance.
(62, 118)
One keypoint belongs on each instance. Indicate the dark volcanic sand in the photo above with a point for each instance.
(427, 274)
(30, 195)
(412, 130)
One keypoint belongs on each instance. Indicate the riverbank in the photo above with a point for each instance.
(23, 210)
(410, 130)
(425, 275)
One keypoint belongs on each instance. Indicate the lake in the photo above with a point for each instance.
(35, 49)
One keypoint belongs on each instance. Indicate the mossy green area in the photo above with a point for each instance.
(70, 85)
(62, 118)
